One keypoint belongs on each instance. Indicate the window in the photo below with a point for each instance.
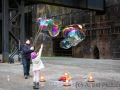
(109, 31)
(101, 32)
(101, 19)
(119, 29)
(93, 32)
(88, 32)
(116, 30)
(105, 32)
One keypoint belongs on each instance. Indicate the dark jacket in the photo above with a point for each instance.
(26, 51)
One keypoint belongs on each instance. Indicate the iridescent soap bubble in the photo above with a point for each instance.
(57, 22)
(50, 25)
(45, 24)
(55, 28)
(71, 33)
(65, 44)
(44, 38)
(54, 31)
(74, 30)
(75, 43)
(74, 34)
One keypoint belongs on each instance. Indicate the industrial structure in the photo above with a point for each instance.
(101, 20)
(103, 31)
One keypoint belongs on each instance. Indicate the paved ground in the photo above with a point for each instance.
(106, 74)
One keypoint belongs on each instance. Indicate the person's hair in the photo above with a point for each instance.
(27, 39)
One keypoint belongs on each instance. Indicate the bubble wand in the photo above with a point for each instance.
(37, 34)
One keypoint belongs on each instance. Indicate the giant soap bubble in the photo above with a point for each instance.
(65, 44)
(74, 34)
(42, 37)
(50, 25)
(55, 28)
(45, 24)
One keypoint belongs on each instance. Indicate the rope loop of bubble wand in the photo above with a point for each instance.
(37, 47)
(36, 38)
(37, 34)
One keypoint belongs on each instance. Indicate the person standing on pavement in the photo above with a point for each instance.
(26, 51)
(37, 66)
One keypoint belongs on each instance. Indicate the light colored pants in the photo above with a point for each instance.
(36, 77)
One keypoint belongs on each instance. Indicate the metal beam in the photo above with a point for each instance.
(22, 22)
(16, 2)
(5, 30)
(16, 15)
(15, 38)
(19, 25)
(7, 26)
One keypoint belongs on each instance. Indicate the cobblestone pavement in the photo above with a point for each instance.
(106, 74)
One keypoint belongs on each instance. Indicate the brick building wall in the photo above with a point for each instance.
(103, 30)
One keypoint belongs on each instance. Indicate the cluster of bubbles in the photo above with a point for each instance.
(73, 35)
(50, 25)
